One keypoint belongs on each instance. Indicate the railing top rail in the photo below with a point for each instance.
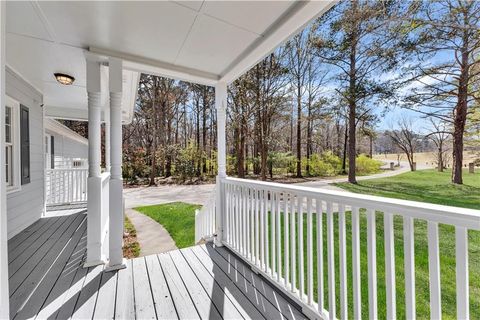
(67, 169)
(458, 216)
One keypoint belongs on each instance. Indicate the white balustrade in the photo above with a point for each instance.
(205, 220)
(279, 229)
(65, 186)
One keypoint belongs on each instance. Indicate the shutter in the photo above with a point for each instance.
(24, 145)
(52, 152)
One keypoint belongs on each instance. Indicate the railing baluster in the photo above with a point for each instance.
(301, 280)
(343, 261)
(409, 251)
(279, 238)
(237, 218)
(320, 256)
(331, 262)
(262, 229)
(461, 258)
(273, 215)
(309, 252)
(252, 225)
(227, 214)
(372, 264)
(244, 223)
(293, 243)
(286, 239)
(257, 227)
(357, 293)
(390, 265)
(434, 271)
(265, 225)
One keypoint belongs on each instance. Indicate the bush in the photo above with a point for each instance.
(186, 162)
(367, 165)
(323, 165)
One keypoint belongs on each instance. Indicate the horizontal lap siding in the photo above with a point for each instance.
(68, 148)
(26, 206)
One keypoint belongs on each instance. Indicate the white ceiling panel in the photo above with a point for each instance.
(21, 12)
(194, 5)
(38, 60)
(209, 45)
(255, 16)
(154, 30)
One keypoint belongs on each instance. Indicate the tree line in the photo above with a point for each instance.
(321, 95)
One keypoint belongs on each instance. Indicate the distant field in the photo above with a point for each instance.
(424, 158)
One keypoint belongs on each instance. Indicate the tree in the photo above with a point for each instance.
(445, 78)
(439, 136)
(406, 140)
(359, 40)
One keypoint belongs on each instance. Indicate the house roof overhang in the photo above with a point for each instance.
(203, 42)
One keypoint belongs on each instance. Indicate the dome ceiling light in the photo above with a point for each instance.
(64, 79)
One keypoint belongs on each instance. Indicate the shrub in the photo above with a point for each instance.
(323, 165)
(367, 165)
(186, 162)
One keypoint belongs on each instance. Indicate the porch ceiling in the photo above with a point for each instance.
(198, 41)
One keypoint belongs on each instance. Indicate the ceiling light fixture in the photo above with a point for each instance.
(64, 79)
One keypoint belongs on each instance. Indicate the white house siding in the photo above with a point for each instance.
(26, 205)
(67, 149)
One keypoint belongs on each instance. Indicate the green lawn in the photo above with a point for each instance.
(177, 217)
(425, 186)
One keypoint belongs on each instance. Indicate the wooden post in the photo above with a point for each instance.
(392, 165)
(471, 167)
(4, 293)
(94, 207)
(221, 106)
(116, 180)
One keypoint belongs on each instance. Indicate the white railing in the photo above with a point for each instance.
(105, 211)
(279, 229)
(205, 220)
(66, 186)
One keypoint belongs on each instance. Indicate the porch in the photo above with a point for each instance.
(47, 280)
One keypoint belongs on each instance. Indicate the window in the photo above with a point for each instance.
(12, 145)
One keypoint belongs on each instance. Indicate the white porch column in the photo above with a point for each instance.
(94, 223)
(107, 140)
(221, 106)
(4, 296)
(116, 181)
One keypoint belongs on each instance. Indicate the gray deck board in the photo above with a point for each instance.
(220, 286)
(144, 308)
(48, 281)
(162, 298)
(181, 298)
(204, 305)
(124, 304)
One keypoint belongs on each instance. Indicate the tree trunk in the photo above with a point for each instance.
(309, 137)
(460, 115)
(344, 156)
(299, 131)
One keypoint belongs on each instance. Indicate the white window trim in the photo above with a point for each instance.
(15, 105)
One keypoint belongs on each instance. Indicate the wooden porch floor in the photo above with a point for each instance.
(201, 282)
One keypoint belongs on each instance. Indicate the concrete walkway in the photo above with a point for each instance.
(152, 236)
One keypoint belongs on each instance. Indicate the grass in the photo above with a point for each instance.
(178, 218)
(425, 186)
(131, 247)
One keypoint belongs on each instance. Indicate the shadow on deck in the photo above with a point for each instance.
(47, 281)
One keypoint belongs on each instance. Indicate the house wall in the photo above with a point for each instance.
(65, 149)
(26, 205)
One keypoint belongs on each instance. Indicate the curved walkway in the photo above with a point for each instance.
(151, 235)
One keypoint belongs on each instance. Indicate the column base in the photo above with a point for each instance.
(116, 267)
(93, 263)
